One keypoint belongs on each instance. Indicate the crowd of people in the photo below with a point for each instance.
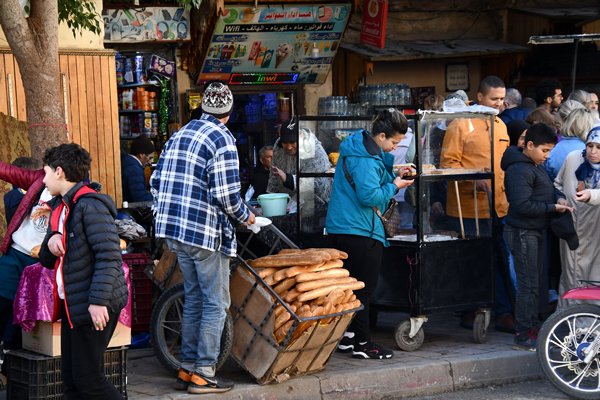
(546, 174)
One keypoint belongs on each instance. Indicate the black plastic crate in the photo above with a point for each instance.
(34, 376)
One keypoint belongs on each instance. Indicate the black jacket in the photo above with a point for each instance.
(530, 193)
(92, 268)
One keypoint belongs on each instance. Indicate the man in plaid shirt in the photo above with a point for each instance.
(196, 188)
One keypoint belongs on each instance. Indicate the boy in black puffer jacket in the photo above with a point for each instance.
(83, 246)
(531, 197)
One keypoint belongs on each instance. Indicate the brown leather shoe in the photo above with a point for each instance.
(183, 379)
(505, 323)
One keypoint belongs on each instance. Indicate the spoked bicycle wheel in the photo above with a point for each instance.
(165, 329)
(563, 342)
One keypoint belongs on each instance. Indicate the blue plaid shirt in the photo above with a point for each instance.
(196, 187)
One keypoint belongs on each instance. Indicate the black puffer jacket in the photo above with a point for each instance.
(92, 268)
(530, 193)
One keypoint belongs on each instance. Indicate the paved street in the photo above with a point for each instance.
(533, 390)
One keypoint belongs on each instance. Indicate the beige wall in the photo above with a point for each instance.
(66, 40)
(422, 73)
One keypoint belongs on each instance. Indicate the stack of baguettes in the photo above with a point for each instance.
(312, 282)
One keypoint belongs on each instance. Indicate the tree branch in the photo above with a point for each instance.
(18, 33)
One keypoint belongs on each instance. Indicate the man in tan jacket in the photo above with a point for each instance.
(467, 144)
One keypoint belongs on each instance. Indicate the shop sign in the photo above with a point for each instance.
(264, 79)
(457, 77)
(146, 24)
(374, 23)
(275, 41)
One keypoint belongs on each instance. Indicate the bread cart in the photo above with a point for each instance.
(444, 262)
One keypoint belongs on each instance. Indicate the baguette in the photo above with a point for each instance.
(335, 297)
(286, 260)
(334, 253)
(347, 295)
(281, 333)
(313, 294)
(283, 317)
(331, 264)
(328, 273)
(312, 285)
(284, 285)
(327, 255)
(351, 305)
(291, 296)
(279, 309)
(299, 269)
(264, 272)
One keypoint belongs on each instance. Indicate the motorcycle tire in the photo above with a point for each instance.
(560, 350)
(165, 330)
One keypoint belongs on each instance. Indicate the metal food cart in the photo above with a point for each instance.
(438, 264)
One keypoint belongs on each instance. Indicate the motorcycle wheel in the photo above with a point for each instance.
(165, 329)
(560, 351)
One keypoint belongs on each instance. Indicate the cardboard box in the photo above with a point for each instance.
(45, 338)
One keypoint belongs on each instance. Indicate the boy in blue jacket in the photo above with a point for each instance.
(531, 197)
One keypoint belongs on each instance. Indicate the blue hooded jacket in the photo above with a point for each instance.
(350, 210)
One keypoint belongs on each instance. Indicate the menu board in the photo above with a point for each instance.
(298, 42)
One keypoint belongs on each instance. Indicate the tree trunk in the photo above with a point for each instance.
(34, 42)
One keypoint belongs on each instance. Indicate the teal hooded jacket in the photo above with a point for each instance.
(350, 209)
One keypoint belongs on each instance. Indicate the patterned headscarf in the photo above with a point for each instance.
(588, 174)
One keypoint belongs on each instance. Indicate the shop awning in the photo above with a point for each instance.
(405, 51)
(561, 13)
(560, 39)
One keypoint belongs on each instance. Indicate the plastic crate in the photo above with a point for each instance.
(309, 343)
(34, 376)
(141, 291)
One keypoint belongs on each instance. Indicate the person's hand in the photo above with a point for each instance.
(402, 183)
(99, 315)
(405, 171)
(43, 210)
(562, 201)
(279, 173)
(55, 245)
(437, 209)
(583, 195)
(251, 219)
(483, 185)
(561, 208)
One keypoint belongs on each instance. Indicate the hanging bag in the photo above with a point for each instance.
(390, 217)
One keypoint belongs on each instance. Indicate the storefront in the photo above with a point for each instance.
(147, 41)
(268, 54)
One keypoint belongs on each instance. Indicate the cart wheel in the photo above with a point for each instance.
(404, 341)
(479, 328)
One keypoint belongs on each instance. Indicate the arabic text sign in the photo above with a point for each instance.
(374, 22)
(296, 39)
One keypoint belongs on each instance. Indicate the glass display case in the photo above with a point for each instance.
(452, 194)
(444, 259)
(318, 146)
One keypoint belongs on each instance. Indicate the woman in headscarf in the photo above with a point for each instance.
(574, 132)
(579, 180)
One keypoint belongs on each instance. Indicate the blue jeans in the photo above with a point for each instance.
(527, 247)
(502, 302)
(206, 287)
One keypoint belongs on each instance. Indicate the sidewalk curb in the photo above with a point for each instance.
(379, 381)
